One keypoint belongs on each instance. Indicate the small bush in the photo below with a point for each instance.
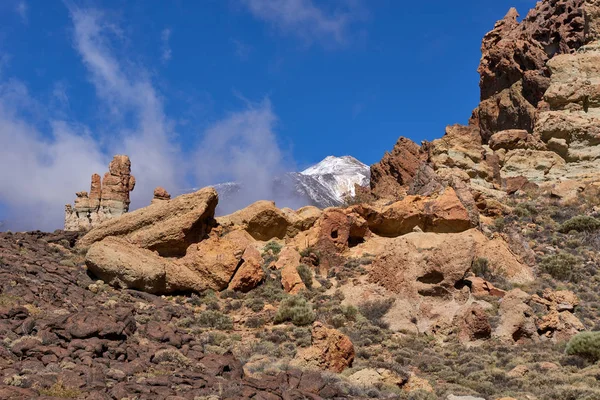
(305, 275)
(562, 266)
(61, 391)
(375, 310)
(274, 247)
(215, 319)
(255, 304)
(580, 223)
(255, 322)
(586, 345)
(295, 309)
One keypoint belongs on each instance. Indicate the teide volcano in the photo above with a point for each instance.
(325, 184)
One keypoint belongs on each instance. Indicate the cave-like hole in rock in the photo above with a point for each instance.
(431, 278)
(354, 241)
(334, 234)
(434, 291)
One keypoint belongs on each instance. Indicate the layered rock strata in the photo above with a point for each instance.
(108, 198)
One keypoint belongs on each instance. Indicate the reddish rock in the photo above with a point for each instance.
(391, 177)
(513, 71)
(481, 287)
(108, 198)
(331, 350)
(474, 324)
(250, 274)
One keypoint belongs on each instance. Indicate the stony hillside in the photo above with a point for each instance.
(469, 270)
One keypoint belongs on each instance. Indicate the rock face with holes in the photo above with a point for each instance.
(108, 198)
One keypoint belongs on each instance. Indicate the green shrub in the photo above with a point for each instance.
(481, 267)
(273, 246)
(580, 223)
(255, 304)
(585, 345)
(375, 310)
(214, 319)
(305, 275)
(295, 309)
(562, 266)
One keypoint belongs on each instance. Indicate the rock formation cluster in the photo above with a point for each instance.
(108, 197)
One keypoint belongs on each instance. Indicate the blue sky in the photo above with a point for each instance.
(202, 91)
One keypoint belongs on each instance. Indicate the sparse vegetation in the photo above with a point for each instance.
(214, 319)
(585, 345)
(306, 275)
(580, 223)
(375, 310)
(295, 309)
(562, 266)
(61, 391)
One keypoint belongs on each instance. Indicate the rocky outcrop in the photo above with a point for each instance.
(444, 213)
(391, 177)
(160, 194)
(168, 227)
(473, 324)
(331, 350)
(250, 273)
(107, 199)
(513, 71)
(288, 262)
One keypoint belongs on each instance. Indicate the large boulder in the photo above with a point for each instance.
(217, 259)
(262, 220)
(517, 322)
(287, 263)
(331, 350)
(250, 273)
(123, 265)
(168, 227)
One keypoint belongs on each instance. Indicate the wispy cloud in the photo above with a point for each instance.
(243, 148)
(165, 36)
(149, 141)
(22, 8)
(305, 20)
(241, 49)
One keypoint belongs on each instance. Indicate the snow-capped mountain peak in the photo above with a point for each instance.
(339, 175)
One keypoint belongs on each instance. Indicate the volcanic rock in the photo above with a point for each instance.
(250, 274)
(160, 194)
(107, 199)
(167, 227)
(331, 350)
(262, 220)
(513, 71)
(391, 177)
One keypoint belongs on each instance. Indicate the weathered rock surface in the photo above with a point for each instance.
(288, 262)
(513, 68)
(250, 273)
(160, 194)
(107, 199)
(217, 259)
(444, 213)
(168, 227)
(391, 177)
(262, 220)
(331, 350)
(473, 324)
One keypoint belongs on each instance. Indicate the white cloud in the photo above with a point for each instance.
(304, 19)
(243, 148)
(22, 8)
(40, 173)
(165, 35)
(149, 142)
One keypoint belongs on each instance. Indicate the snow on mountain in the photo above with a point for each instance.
(325, 184)
(339, 175)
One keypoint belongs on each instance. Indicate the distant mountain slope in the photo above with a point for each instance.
(325, 184)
